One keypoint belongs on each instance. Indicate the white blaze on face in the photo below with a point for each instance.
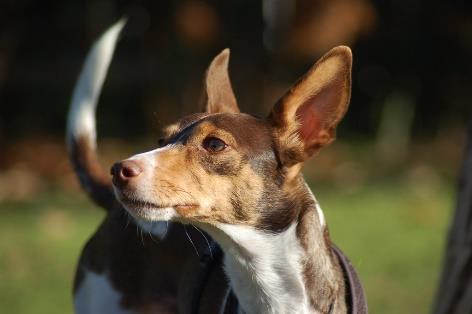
(149, 160)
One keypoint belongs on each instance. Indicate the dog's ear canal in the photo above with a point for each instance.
(218, 92)
(305, 118)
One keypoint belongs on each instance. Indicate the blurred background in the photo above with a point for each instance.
(387, 185)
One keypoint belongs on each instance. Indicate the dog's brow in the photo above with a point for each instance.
(171, 129)
(182, 131)
(179, 126)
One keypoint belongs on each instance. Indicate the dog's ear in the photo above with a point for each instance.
(305, 118)
(218, 94)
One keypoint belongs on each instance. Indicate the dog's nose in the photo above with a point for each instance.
(124, 171)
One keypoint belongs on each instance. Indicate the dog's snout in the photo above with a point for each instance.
(124, 171)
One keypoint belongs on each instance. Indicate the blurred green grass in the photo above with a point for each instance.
(40, 242)
(392, 231)
(394, 237)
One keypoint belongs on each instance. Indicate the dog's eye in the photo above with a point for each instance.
(214, 145)
(160, 142)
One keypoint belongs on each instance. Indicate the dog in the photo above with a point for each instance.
(238, 178)
(121, 268)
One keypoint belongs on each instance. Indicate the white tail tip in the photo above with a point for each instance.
(81, 118)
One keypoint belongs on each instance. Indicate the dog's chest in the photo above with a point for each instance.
(97, 295)
(265, 270)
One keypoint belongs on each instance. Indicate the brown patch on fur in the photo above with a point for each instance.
(283, 206)
(322, 273)
(238, 208)
(92, 177)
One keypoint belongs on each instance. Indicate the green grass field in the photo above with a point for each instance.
(392, 231)
(395, 239)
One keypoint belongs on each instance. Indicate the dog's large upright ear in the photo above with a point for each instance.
(305, 118)
(219, 96)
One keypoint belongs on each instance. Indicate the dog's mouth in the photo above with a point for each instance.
(152, 211)
(146, 205)
(143, 204)
(136, 203)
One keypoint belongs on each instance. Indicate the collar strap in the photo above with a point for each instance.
(355, 296)
(209, 262)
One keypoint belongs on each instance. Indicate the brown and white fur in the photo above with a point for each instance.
(122, 269)
(238, 177)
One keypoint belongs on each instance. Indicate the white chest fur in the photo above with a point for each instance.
(265, 269)
(96, 295)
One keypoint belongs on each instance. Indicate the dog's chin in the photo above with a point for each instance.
(151, 213)
(147, 211)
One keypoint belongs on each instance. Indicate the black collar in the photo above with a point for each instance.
(355, 296)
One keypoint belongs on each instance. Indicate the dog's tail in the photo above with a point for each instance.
(81, 131)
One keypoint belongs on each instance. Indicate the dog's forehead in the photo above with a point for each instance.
(239, 124)
(247, 130)
(183, 123)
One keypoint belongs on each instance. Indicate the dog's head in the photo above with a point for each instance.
(223, 166)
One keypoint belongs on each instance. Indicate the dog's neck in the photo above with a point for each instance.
(284, 272)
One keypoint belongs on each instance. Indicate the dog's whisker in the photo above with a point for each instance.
(128, 220)
(181, 191)
(141, 235)
(152, 238)
(172, 187)
(206, 239)
(150, 233)
(190, 239)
